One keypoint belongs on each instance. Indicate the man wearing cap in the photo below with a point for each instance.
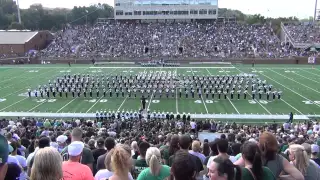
(4, 153)
(43, 142)
(98, 152)
(73, 169)
(87, 157)
(314, 153)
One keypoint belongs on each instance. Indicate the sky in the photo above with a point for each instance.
(268, 8)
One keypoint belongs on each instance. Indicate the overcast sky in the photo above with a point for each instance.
(269, 8)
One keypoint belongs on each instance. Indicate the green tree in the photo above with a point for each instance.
(16, 25)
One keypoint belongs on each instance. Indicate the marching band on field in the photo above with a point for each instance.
(158, 84)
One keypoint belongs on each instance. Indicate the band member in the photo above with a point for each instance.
(245, 94)
(54, 93)
(29, 92)
(90, 92)
(253, 94)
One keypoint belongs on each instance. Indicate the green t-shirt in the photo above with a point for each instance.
(47, 124)
(163, 174)
(267, 174)
(165, 154)
(284, 147)
(139, 166)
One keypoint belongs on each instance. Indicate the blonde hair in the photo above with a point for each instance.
(107, 160)
(153, 159)
(301, 157)
(121, 161)
(47, 165)
(196, 146)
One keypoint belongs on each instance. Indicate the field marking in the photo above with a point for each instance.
(177, 109)
(37, 106)
(66, 104)
(311, 73)
(24, 79)
(306, 77)
(205, 106)
(288, 88)
(14, 103)
(94, 104)
(11, 78)
(122, 103)
(295, 81)
(292, 107)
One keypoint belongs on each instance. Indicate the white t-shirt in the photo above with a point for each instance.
(193, 125)
(22, 160)
(13, 159)
(106, 174)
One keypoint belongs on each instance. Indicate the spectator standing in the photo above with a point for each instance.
(314, 153)
(47, 165)
(253, 169)
(86, 155)
(183, 166)
(72, 169)
(98, 152)
(196, 150)
(4, 153)
(140, 164)
(109, 144)
(121, 163)
(298, 156)
(156, 170)
(173, 148)
(22, 160)
(222, 168)
(43, 142)
(13, 172)
(222, 147)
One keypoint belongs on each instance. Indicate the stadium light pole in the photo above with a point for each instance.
(315, 11)
(18, 9)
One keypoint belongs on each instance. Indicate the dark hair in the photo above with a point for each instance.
(206, 149)
(44, 142)
(183, 167)
(231, 137)
(222, 145)
(13, 171)
(109, 143)
(225, 166)
(174, 145)
(185, 141)
(143, 146)
(213, 147)
(14, 145)
(223, 136)
(251, 152)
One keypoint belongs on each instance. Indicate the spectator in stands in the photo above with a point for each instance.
(314, 153)
(134, 149)
(4, 153)
(72, 169)
(43, 142)
(206, 149)
(222, 168)
(253, 167)
(21, 159)
(140, 164)
(47, 165)
(222, 147)
(183, 167)
(109, 144)
(121, 163)
(13, 172)
(173, 147)
(196, 150)
(275, 162)
(87, 157)
(156, 170)
(98, 152)
(299, 157)
(107, 173)
(62, 142)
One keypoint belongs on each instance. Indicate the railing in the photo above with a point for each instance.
(291, 40)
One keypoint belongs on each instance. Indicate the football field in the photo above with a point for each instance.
(300, 85)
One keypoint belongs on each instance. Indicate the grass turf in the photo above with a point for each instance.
(300, 85)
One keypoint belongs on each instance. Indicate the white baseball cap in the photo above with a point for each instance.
(75, 148)
(62, 138)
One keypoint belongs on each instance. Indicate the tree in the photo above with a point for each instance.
(16, 25)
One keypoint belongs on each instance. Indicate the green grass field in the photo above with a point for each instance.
(300, 86)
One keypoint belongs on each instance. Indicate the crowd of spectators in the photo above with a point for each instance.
(304, 33)
(133, 40)
(39, 149)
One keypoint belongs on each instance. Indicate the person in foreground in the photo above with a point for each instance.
(4, 153)
(156, 170)
(223, 169)
(73, 169)
(47, 165)
(254, 169)
(121, 163)
(183, 167)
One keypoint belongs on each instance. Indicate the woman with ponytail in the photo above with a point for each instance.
(155, 171)
(299, 158)
(121, 163)
(254, 169)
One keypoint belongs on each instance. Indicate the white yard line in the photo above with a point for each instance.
(291, 106)
(311, 73)
(66, 105)
(205, 106)
(294, 81)
(177, 109)
(14, 103)
(24, 80)
(37, 106)
(278, 83)
(122, 103)
(288, 88)
(94, 104)
(306, 77)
